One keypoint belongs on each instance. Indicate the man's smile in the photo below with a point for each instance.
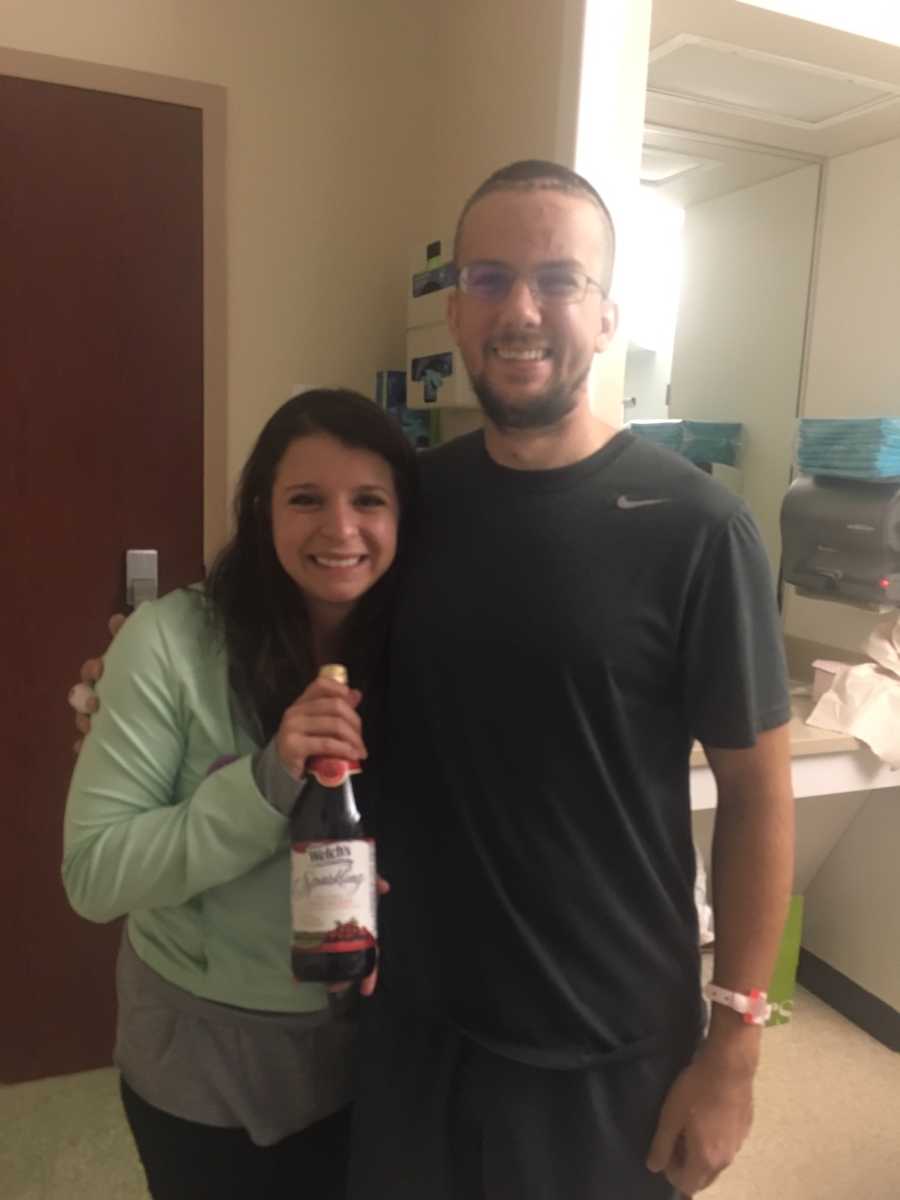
(521, 353)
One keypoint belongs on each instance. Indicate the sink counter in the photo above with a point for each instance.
(823, 763)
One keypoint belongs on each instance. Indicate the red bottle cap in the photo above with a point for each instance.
(331, 772)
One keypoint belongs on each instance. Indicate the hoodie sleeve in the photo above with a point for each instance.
(130, 842)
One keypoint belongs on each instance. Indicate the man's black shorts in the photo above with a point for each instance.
(438, 1117)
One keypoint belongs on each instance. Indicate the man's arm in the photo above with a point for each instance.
(708, 1111)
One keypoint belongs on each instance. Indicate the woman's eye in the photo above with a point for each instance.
(303, 500)
(370, 501)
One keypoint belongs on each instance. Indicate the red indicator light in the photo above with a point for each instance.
(884, 584)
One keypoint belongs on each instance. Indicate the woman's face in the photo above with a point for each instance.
(334, 521)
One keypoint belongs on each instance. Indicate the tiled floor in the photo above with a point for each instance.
(66, 1139)
(827, 1126)
(827, 1121)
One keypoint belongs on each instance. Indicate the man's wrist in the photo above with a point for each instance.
(732, 1041)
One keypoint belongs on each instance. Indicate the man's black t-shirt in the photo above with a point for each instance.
(561, 638)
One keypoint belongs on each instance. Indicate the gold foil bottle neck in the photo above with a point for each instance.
(335, 671)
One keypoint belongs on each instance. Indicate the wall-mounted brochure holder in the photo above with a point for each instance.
(429, 279)
(435, 374)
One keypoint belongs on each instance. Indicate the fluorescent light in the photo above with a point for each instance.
(874, 19)
(651, 294)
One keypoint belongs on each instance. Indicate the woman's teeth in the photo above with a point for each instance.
(334, 560)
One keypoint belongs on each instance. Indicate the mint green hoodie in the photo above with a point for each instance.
(200, 862)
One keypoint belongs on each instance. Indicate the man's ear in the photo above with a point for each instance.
(609, 323)
(453, 314)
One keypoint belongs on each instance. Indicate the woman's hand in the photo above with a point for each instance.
(323, 721)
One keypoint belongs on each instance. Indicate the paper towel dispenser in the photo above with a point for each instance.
(841, 539)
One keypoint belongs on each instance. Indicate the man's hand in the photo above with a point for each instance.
(323, 720)
(709, 1109)
(82, 697)
(706, 1116)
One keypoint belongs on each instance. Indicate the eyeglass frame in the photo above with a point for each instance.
(529, 277)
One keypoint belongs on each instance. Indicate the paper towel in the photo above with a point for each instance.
(864, 701)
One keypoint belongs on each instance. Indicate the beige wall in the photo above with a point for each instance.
(495, 81)
(558, 79)
(852, 918)
(739, 339)
(610, 127)
(320, 186)
(497, 78)
(356, 127)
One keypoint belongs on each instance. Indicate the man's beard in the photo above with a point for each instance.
(542, 412)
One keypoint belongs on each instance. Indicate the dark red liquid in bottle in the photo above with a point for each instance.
(333, 892)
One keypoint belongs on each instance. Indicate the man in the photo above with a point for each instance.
(581, 606)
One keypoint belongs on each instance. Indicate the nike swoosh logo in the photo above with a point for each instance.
(625, 502)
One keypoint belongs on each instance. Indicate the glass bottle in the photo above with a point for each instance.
(333, 893)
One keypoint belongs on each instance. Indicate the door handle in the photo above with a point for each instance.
(141, 576)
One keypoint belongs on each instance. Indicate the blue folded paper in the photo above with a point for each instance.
(852, 448)
(700, 441)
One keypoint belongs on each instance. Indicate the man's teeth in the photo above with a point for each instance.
(520, 354)
(333, 560)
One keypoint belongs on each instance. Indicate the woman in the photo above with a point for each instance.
(234, 1077)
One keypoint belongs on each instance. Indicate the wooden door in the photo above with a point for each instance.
(101, 426)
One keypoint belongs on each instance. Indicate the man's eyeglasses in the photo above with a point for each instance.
(551, 284)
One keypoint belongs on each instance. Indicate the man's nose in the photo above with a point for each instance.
(520, 306)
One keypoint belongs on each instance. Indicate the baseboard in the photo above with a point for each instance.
(871, 1014)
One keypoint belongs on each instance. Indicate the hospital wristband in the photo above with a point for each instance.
(753, 1008)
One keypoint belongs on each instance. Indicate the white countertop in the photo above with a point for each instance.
(804, 738)
(823, 763)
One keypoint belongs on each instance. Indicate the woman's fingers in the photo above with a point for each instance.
(327, 744)
(296, 718)
(319, 706)
(82, 699)
(91, 670)
(115, 623)
(329, 687)
(295, 754)
(323, 721)
(307, 725)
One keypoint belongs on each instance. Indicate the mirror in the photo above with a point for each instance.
(733, 349)
(756, 126)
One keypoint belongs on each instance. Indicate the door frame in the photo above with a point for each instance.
(211, 100)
